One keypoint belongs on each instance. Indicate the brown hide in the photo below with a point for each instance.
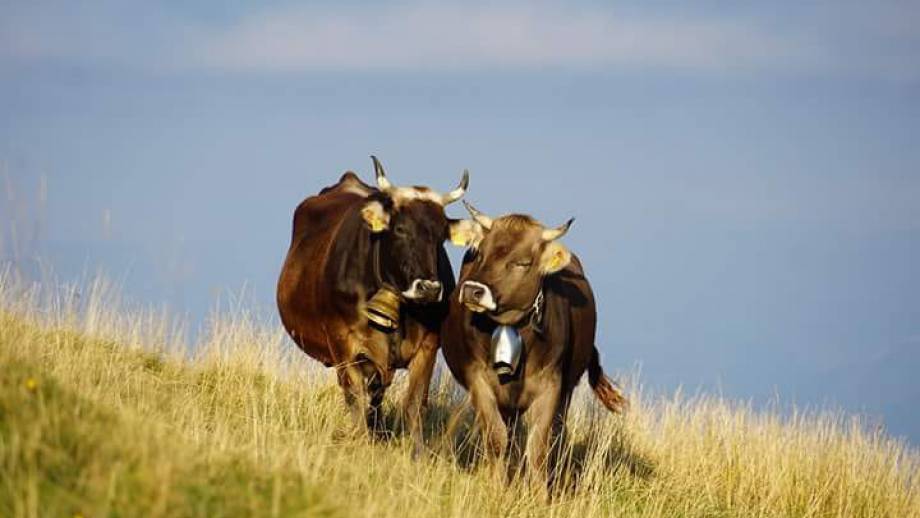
(317, 321)
(326, 279)
(564, 347)
(557, 351)
(315, 312)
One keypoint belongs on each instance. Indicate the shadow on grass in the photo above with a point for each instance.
(610, 455)
(388, 425)
(450, 432)
(609, 451)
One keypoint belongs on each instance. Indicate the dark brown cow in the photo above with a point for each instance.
(516, 273)
(349, 241)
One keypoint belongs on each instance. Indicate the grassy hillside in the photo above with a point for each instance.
(102, 412)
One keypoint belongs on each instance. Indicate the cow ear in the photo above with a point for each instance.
(555, 257)
(465, 232)
(376, 217)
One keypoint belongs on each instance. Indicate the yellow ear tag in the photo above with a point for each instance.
(556, 262)
(377, 224)
(374, 220)
(459, 237)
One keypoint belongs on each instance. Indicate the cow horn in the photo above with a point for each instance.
(457, 193)
(382, 183)
(482, 219)
(552, 234)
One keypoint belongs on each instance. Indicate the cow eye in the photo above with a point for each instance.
(524, 265)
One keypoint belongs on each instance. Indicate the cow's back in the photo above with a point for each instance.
(568, 330)
(304, 289)
(572, 286)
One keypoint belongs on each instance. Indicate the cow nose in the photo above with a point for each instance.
(424, 291)
(477, 296)
(473, 293)
(430, 289)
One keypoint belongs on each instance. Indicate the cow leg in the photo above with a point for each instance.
(557, 460)
(351, 379)
(489, 419)
(365, 376)
(416, 400)
(375, 417)
(512, 420)
(541, 419)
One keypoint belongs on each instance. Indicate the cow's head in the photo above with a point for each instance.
(508, 259)
(411, 226)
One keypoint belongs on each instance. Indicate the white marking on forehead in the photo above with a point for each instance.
(407, 194)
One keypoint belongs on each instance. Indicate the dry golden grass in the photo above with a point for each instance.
(103, 411)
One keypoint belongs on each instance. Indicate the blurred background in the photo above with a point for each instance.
(746, 179)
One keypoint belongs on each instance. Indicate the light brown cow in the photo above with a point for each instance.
(516, 273)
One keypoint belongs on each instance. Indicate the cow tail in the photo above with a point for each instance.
(605, 389)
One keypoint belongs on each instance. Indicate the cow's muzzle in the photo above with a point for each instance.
(477, 297)
(424, 291)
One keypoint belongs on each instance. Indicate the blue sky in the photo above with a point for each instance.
(745, 178)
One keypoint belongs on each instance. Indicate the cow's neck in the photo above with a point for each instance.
(375, 262)
(533, 319)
